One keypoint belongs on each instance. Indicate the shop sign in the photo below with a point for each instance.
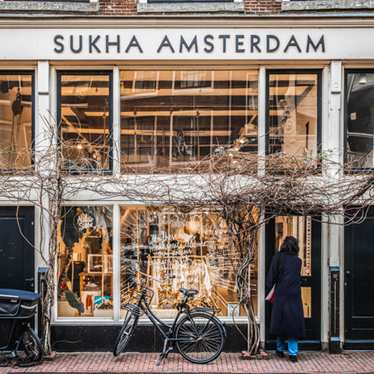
(185, 44)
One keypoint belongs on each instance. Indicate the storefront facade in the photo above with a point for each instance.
(147, 96)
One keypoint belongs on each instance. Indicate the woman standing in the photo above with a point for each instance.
(287, 317)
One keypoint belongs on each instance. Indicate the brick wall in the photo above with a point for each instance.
(128, 7)
(263, 6)
(117, 7)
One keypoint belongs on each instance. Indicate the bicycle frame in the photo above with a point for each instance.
(160, 325)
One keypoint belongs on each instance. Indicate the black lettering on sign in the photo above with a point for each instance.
(115, 43)
(188, 47)
(224, 38)
(272, 43)
(80, 44)
(165, 43)
(92, 43)
(292, 43)
(134, 44)
(208, 40)
(239, 42)
(310, 44)
(58, 39)
(255, 41)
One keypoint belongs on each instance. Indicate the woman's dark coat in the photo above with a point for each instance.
(287, 316)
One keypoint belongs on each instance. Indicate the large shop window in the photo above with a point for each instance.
(170, 250)
(85, 273)
(85, 120)
(360, 119)
(16, 120)
(293, 113)
(172, 119)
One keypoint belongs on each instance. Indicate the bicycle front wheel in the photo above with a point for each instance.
(200, 337)
(127, 331)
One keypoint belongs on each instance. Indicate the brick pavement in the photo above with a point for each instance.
(92, 363)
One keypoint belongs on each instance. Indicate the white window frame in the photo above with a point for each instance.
(58, 6)
(169, 6)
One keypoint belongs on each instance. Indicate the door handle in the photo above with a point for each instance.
(347, 277)
(29, 279)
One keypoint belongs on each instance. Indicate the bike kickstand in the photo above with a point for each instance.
(159, 360)
(164, 353)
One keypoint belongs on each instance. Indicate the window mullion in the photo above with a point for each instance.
(116, 263)
(261, 120)
(116, 105)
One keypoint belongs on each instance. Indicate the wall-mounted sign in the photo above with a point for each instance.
(185, 44)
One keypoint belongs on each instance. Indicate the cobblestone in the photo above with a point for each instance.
(92, 363)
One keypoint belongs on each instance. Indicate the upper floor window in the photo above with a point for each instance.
(16, 120)
(190, 1)
(60, 6)
(188, 6)
(323, 5)
(360, 119)
(85, 119)
(294, 113)
(171, 119)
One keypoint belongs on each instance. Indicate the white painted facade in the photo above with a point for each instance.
(32, 47)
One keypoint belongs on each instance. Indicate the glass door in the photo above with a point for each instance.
(308, 233)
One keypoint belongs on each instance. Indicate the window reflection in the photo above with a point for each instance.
(171, 119)
(85, 120)
(85, 262)
(293, 114)
(16, 110)
(172, 250)
(360, 119)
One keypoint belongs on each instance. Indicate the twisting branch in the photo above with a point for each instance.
(243, 189)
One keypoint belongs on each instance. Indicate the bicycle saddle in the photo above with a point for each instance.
(189, 292)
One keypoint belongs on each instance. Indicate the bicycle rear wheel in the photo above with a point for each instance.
(200, 337)
(127, 331)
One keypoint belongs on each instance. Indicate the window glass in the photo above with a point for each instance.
(171, 119)
(293, 114)
(189, 1)
(85, 120)
(360, 119)
(85, 270)
(170, 250)
(16, 111)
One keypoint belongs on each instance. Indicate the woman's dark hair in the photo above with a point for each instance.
(290, 245)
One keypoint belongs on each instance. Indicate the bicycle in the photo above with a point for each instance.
(197, 334)
(23, 345)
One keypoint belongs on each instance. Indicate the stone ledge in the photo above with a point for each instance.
(299, 5)
(195, 7)
(50, 6)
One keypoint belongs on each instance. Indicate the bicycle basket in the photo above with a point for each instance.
(17, 304)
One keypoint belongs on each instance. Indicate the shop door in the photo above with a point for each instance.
(308, 233)
(359, 280)
(16, 250)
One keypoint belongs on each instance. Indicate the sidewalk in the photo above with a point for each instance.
(310, 362)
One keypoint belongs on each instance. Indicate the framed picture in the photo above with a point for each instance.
(95, 264)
